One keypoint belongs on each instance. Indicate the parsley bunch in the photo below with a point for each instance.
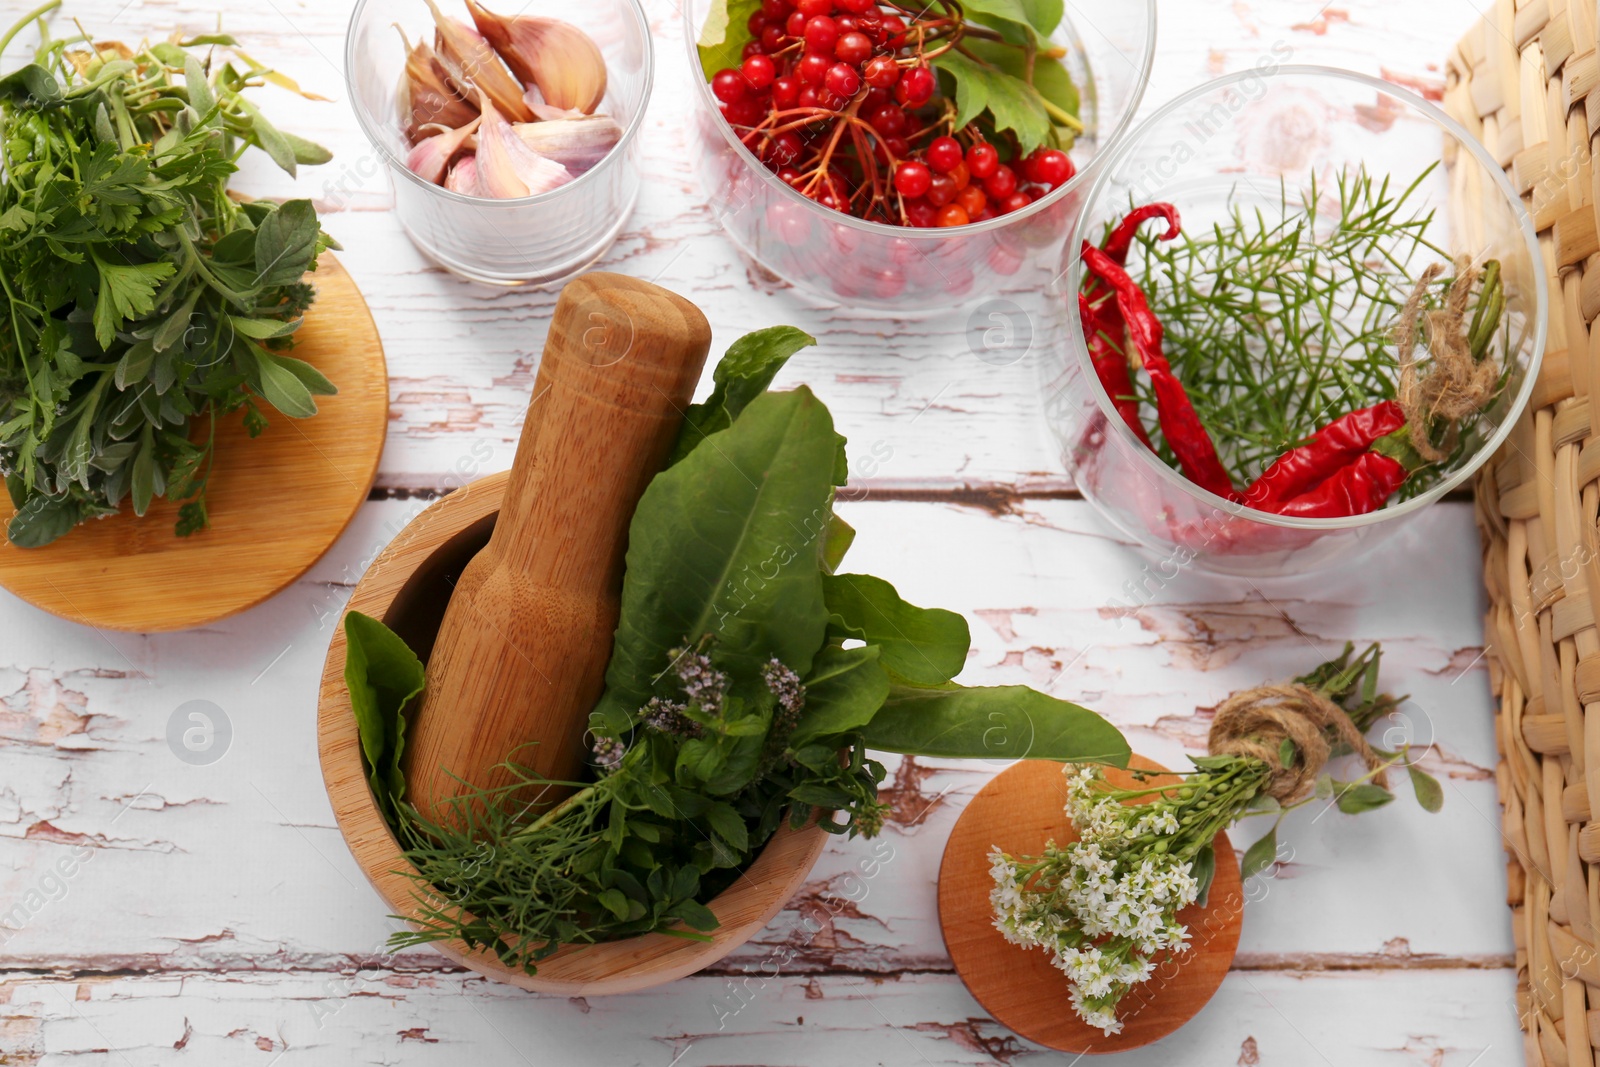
(142, 302)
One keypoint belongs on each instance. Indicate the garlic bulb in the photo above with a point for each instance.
(508, 168)
(576, 144)
(562, 60)
(472, 64)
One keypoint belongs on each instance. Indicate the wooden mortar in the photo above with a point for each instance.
(406, 587)
(520, 657)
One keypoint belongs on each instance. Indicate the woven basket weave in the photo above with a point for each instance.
(1526, 81)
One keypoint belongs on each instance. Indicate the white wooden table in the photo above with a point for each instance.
(213, 915)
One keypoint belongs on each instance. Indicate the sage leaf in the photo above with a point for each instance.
(282, 388)
(286, 243)
(383, 676)
(754, 508)
(844, 690)
(925, 646)
(841, 535)
(1259, 856)
(306, 153)
(142, 481)
(1430, 794)
(743, 373)
(999, 722)
(196, 85)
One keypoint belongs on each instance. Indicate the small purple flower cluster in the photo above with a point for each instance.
(785, 685)
(703, 684)
(608, 753)
(667, 717)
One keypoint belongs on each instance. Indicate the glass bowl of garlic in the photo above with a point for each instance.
(510, 140)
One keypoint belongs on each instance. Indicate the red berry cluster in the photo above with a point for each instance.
(838, 99)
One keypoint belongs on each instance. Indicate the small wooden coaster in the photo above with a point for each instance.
(277, 503)
(1019, 811)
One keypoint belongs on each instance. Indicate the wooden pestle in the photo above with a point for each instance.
(522, 650)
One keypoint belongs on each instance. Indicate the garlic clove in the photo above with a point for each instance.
(576, 144)
(472, 65)
(427, 96)
(562, 60)
(463, 177)
(546, 112)
(507, 168)
(429, 158)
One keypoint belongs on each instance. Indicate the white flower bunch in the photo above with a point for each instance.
(1104, 906)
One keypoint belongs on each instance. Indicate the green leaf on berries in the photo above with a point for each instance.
(724, 35)
(1050, 81)
(1011, 103)
(1016, 20)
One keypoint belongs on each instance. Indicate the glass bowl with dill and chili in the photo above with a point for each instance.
(908, 157)
(1309, 304)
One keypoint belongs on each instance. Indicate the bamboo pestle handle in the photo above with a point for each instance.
(522, 650)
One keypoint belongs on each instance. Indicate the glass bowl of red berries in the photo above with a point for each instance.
(909, 157)
(1308, 304)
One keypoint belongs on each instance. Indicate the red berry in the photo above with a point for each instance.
(944, 154)
(888, 283)
(874, 99)
(912, 179)
(972, 200)
(952, 215)
(756, 23)
(960, 175)
(808, 8)
(813, 68)
(920, 213)
(785, 91)
(870, 23)
(854, 48)
(795, 24)
(1002, 183)
(846, 24)
(894, 32)
(1049, 166)
(843, 80)
(1015, 202)
(821, 34)
(774, 9)
(941, 190)
(809, 97)
(784, 149)
(987, 213)
(888, 120)
(915, 87)
(831, 100)
(772, 38)
(788, 175)
(889, 149)
(746, 112)
(728, 86)
(759, 71)
(855, 7)
(982, 159)
(881, 72)
(751, 48)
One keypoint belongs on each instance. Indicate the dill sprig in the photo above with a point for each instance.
(1279, 318)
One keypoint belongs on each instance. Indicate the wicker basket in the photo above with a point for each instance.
(1526, 80)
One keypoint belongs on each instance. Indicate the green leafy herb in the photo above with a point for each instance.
(143, 302)
(732, 702)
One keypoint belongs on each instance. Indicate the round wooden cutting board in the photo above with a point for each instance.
(277, 503)
(1019, 811)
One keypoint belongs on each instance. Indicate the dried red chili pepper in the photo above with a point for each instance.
(1116, 246)
(1181, 426)
(1330, 448)
(1360, 486)
(1111, 363)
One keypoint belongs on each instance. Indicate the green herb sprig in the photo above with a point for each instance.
(1279, 317)
(143, 302)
